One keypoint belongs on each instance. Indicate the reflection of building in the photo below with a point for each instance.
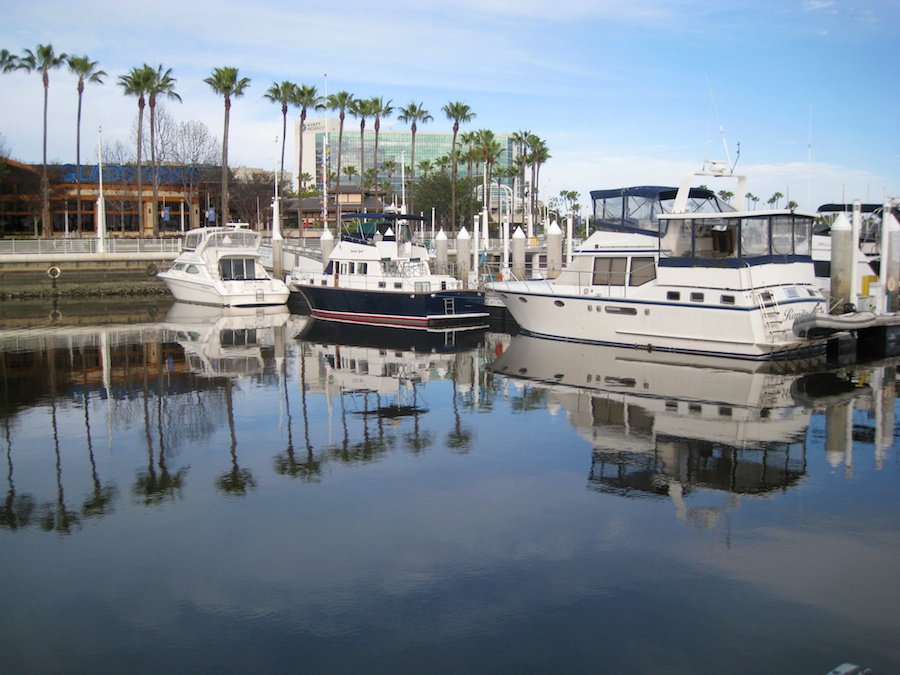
(664, 427)
(181, 191)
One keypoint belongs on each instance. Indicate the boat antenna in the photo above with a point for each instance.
(712, 99)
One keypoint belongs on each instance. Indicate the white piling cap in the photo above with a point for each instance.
(841, 223)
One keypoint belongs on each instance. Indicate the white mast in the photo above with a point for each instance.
(101, 204)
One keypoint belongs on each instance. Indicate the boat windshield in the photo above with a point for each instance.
(230, 238)
(750, 237)
(639, 208)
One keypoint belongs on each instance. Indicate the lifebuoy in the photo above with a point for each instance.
(55, 315)
(151, 270)
(53, 272)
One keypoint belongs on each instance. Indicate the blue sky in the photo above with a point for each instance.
(622, 93)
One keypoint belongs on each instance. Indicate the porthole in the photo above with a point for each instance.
(559, 303)
(521, 299)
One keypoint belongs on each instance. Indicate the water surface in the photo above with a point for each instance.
(194, 491)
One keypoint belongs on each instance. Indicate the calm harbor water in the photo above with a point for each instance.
(193, 491)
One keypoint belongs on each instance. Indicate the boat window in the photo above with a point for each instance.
(237, 268)
(755, 237)
(612, 309)
(677, 239)
(362, 268)
(783, 235)
(802, 236)
(382, 284)
(609, 271)
(423, 287)
(673, 295)
(727, 299)
(697, 297)
(643, 270)
(714, 238)
(192, 269)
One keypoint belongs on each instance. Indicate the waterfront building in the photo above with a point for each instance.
(320, 148)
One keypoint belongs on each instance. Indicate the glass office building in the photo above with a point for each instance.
(320, 140)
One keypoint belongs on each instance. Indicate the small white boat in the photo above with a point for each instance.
(818, 325)
(679, 270)
(220, 266)
(377, 276)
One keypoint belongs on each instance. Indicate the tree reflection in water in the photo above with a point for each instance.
(236, 482)
(153, 487)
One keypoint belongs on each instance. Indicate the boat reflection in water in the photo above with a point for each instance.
(229, 341)
(389, 362)
(663, 427)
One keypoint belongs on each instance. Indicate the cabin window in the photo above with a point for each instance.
(559, 303)
(673, 295)
(822, 268)
(398, 284)
(192, 269)
(755, 237)
(362, 268)
(727, 299)
(609, 271)
(697, 297)
(381, 284)
(783, 235)
(423, 287)
(802, 236)
(643, 270)
(237, 268)
(631, 311)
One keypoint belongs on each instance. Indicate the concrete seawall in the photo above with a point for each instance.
(68, 276)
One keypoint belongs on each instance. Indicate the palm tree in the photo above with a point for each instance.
(8, 61)
(285, 94)
(774, 199)
(341, 101)
(162, 84)
(425, 165)
(350, 171)
(43, 59)
(460, 113)
(84, 69)
(413, 114)
(489, 147)
(521, 160)
(226, 82)
(379, 109)
(137, 83)
(539, 156)
(361, 109)
(308, 99)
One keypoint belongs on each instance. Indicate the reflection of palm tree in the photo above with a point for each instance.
(237, 481)
(59, 518)
(150, 486)
(460, 438)
(100, 502)
(418, 440)
(286, 463)
(17, 509)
